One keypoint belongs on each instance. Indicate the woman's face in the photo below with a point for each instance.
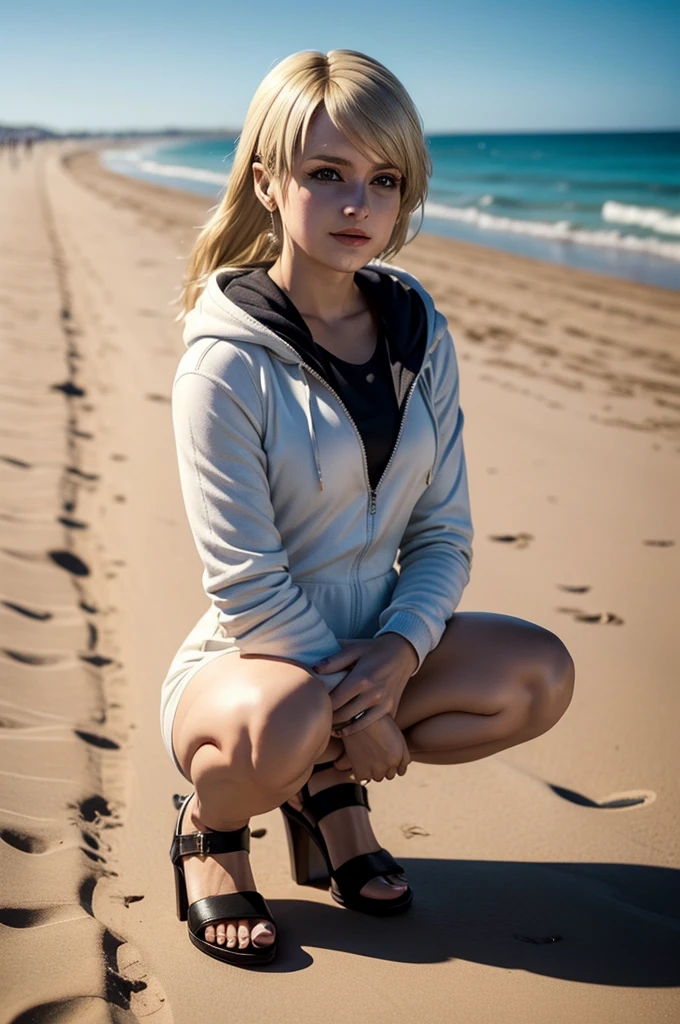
(334, 188)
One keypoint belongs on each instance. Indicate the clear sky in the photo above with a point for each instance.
(484, 65)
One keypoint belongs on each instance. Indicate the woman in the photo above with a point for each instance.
(319, 438)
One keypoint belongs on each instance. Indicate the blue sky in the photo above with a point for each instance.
(480, 66)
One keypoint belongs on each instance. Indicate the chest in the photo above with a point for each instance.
(353, 340)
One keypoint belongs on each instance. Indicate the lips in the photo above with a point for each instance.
(351, 234)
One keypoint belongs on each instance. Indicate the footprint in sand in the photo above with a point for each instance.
(67, 560)
(72, 524)
(24, 917)
(518, 540)
(31, 613)
(69, 389)
(27, 658)
(25, 842)
(598, 618)
(93, 808)
(77, 471)
(617, 801)
(102, 742)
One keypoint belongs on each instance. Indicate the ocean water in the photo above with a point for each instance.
(607, 202)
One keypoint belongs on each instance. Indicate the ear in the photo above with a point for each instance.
(261, 183)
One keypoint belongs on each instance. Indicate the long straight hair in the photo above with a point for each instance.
(363, 100)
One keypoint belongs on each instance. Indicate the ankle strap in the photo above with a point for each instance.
(322, 767)
(344, 794)
(212, 842)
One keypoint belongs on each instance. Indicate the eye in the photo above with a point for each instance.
(392, 182)
(322, 170)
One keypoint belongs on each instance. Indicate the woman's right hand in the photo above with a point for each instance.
(375, 753)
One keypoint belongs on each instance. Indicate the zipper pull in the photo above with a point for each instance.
(372, 503)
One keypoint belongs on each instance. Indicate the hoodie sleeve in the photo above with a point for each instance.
(222, 467)
(435, 554)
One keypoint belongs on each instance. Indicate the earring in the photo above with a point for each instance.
(272, 235)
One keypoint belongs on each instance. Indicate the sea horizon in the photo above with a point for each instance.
(602, 201)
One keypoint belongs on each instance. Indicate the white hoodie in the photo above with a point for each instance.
(298, 550)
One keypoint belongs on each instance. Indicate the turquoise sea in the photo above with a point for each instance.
(607, 202)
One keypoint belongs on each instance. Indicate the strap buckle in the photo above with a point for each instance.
(201, 843)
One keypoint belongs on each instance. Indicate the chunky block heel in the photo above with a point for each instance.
(180, 893)
(310, 861)
(307, 865)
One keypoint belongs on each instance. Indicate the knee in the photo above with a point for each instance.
(288, 731)
(550, 684)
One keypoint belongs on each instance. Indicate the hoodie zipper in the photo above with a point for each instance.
(356, 589)
(356, 610)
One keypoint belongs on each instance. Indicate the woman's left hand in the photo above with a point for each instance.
(382, 666)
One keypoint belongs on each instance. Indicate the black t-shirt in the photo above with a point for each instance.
(373, 392)
(368, 392)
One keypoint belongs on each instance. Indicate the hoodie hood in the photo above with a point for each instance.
(246, 305)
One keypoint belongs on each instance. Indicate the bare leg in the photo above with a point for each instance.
(493, 681)
(247, 732)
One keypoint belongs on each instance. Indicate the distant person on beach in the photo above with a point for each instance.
(319, 439)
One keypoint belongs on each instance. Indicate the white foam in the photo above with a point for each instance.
(560, 230)
(654, 217)
(136, 157)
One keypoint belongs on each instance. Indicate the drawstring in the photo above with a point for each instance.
(310, 424)
(312, 432)
(430, 407)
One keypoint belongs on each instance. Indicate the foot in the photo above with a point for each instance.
(215, 875)
(348, 833)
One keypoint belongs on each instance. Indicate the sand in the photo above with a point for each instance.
(546, 877)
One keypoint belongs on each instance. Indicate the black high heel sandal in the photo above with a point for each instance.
(310, 861)
(212, 909)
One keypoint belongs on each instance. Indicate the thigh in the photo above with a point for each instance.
(483, 662)
(234, 696)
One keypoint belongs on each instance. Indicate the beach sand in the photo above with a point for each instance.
(546, 878)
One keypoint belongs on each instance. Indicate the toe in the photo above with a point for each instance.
(243, 934)
(221, 933)
(397, 879)
(380, 889)
(231, 934)
(263, 934)
(209, 933)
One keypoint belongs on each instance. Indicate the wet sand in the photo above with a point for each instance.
(547, 879)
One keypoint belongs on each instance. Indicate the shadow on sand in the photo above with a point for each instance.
(607, 924)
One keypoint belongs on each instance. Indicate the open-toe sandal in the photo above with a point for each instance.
(310, 861)
(212, 909)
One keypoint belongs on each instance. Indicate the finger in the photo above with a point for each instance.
(343, 763)
(390, 774)
(367, 699)
(350, 688)
(341, 659)
(372, 715)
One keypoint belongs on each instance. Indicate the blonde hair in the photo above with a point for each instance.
(364, 101)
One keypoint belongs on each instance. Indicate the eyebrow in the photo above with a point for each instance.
(348, 163)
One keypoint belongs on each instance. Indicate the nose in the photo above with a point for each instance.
(357, 203)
